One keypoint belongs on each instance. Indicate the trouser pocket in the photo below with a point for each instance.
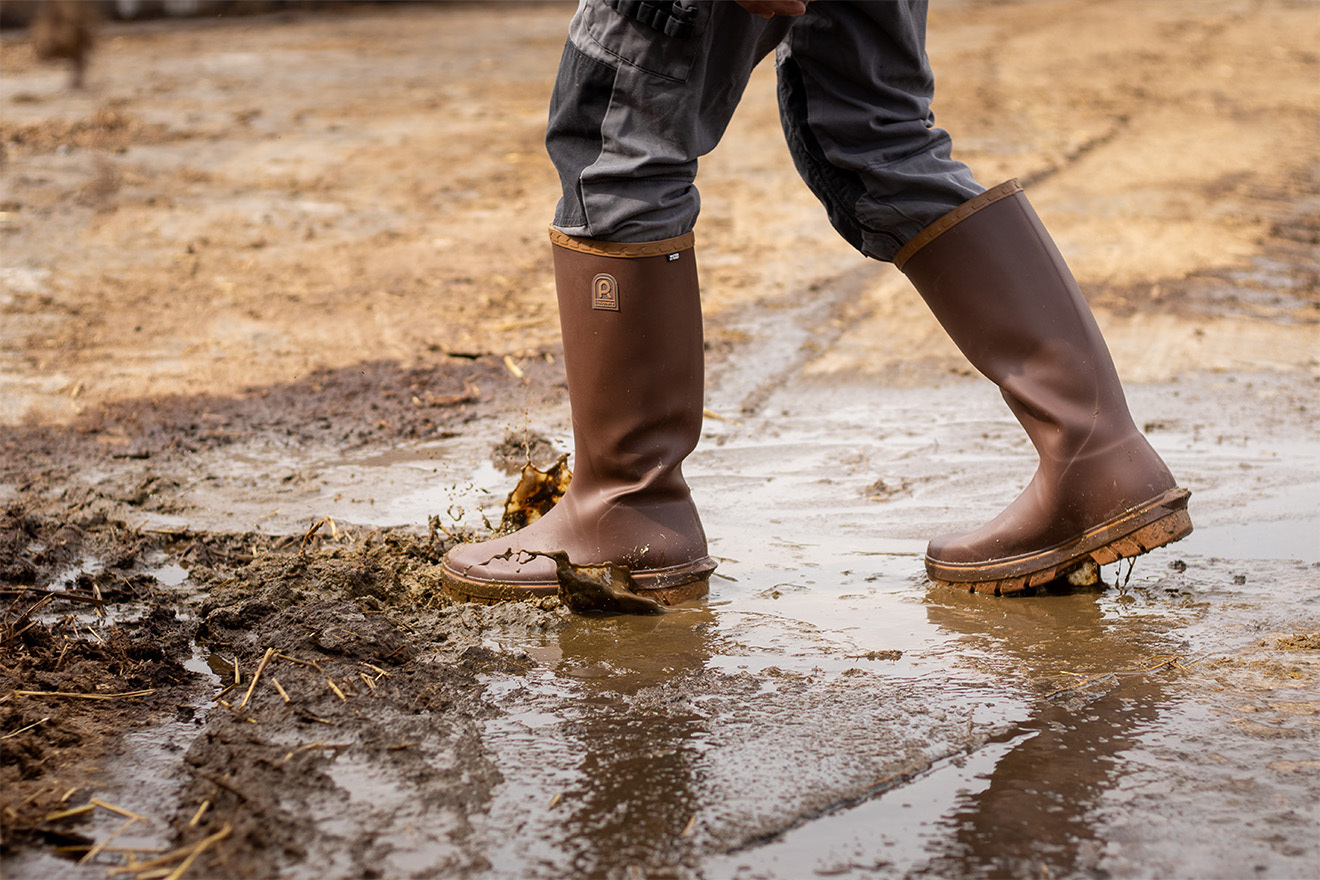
(660, 37)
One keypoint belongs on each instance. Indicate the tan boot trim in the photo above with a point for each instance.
(954, 217)
(627, 250)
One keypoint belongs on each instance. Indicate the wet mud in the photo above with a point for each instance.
(310, 703)
(281, 664)
(248, 403)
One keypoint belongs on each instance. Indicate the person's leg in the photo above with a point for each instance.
(995, 280)
(855, 90)
(634, 107)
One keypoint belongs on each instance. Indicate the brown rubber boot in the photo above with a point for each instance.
(995, 280)
(630, 315)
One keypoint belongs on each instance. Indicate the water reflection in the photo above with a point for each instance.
(1037, 816)
(630, 810)
(634, 730)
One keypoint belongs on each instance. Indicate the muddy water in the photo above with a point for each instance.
(827, 713)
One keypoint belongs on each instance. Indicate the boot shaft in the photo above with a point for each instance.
(996, 282)
(631, 321)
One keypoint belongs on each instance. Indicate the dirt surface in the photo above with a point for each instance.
(279, 328)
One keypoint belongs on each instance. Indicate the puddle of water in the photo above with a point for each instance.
(170, 574)
(1283, 525)
(458, 501)
(885, 834)
(637, 744)
(1028, 802)
(402, 487)
(828, 713)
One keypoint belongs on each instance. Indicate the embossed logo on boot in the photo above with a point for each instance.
(605, 293)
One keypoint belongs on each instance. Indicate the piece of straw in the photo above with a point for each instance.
(256, 676)
(30, 726)
(201, 810)
(192, 857)
(69, 813)
(128, 814)
(97, 850)
(74, 696)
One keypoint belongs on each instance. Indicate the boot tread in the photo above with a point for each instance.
(1136, 531)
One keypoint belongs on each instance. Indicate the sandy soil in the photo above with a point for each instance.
(218, 211)
(257, 241)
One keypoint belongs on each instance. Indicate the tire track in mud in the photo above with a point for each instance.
(782, 335)
(1075, 155)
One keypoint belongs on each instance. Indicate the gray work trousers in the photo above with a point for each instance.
(634, 108)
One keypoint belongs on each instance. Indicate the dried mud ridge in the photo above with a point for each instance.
(349, 407)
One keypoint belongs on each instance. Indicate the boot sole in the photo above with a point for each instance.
(668, 586)
(1139, 530)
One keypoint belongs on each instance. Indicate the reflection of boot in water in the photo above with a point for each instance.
(639, 738)
(631, 321)
(626, 653)
(994, 279)
(1037, 815)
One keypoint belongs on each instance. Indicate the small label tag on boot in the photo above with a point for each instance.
(605, 293)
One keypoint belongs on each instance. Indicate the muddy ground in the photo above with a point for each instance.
(279, 328)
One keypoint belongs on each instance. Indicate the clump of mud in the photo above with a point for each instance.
(600, 588)
(72, 678)
(336, 649)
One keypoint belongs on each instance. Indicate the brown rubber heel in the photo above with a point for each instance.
(1166, 530)
(1100, 546)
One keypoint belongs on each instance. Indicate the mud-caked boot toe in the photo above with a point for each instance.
(497, 571)
(672, 566)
